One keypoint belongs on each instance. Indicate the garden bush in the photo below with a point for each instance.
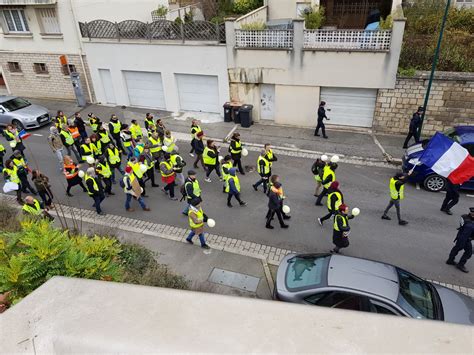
(314, 18)
(245, 6)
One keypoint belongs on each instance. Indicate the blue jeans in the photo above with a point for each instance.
(97, 200)
(120, 169)
(129, 152)
(186, 209)
(201, 238)
(129, 199)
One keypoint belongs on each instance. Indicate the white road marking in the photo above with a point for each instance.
(227, 138)
(443, 192)
(417, 186)
(37, 135)
(470, 195)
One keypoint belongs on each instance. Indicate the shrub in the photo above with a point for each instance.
(314, 18)
(410, 72)
(258, 25)
(387, 23)
(245, 6)
(161, 11)
(189, 16)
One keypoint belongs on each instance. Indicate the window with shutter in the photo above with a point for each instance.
(15, 20)
(49, 20)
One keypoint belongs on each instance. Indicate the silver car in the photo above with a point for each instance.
(344, 282)
(22, 113)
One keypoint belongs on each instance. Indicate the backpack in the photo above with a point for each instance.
(122, 183)
(314, 169)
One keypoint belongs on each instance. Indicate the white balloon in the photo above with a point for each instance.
(221, 158)
(143, 168)
(81, 174)
(10, 186)
(13, 144)
(334, 159)
(324, 157)
(164, 148)
(90, 160)
(211, 223)
(355, 211)
(245, 152)
(286, 209)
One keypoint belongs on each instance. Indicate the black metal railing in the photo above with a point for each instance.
(156, 30)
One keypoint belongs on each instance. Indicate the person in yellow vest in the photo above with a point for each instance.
(33, 208)
(127, 141)
(94, 189)
(139, 147)
(195, 129)
(136, 130)
(127, 188)
(197, 218)
(10, 174)
(149, 121)
(150, 130)
(103, 136)
(139, 170)
(76, 135)
(160, 128)
(168, 176)
(235, 150)
(87, 149)
(341, 228)
(233, 188)
(94, 122)
(169, 141)
(397, 193)
(23, 171)
(264, 170)
(317, 170)
(115, 127)
(191, 190)
(60, 120)
(155, 143)
(211, 160)
(11, 135)
(335, 199)
(114, 158)
(226, 164)
(329, 175)
(68, 142)
(2, 154)
(105, 174)
(96, 145)
(71, 172)
(178, 165)
(147, 159)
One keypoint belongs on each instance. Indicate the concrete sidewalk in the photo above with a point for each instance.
(355, 143)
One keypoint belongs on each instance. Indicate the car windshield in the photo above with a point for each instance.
(416, 296)
(306, 271)
(15, 104)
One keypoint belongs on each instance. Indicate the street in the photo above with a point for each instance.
(421, 247)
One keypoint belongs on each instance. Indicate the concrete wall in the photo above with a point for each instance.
(451, 103)
(279, 9)
(167, 59)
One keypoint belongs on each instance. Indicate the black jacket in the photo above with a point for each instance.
(274, 200)
(321, 113)
(189, 190)
(198, 146)
(80, 124)
(415, 122)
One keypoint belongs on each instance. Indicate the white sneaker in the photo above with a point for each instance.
(320, 222)
(207, 180)
(191, 155)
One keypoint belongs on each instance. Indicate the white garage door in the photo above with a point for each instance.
(145, 89)
(198, 92)
(349, 107)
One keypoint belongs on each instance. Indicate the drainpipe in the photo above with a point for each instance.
(81, 51)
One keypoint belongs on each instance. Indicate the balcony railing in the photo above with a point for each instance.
(349, 40)
(265, 39)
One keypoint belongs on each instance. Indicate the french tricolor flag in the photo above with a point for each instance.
(448, 158)
(24, 134)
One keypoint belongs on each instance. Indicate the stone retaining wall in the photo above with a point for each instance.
(451, 103)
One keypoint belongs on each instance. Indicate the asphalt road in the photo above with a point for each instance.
(420, 247)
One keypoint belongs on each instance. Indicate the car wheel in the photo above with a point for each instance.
(18, 125)
(434, 183)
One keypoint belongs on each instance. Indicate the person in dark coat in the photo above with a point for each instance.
(341, 228)
(199, 150)
(43, 187)
(452, 197)
(335, 199)
(81, 126)
(275, 197)
(235, 150)
(463, 242)
(321, 117)
(317, 170)
(414, 129)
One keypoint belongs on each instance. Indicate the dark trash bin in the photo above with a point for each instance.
(236, 114)
(245, 114)
(227, 112)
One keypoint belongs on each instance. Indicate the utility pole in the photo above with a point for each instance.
(435, 62)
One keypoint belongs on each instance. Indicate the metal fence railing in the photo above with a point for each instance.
(273, 39)
(156, 30)
(362, 40)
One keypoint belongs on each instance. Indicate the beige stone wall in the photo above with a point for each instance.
(53, 85)
(451, 103)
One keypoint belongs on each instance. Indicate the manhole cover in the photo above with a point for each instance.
(234, 279)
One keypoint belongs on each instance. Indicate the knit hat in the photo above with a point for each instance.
(342, 207)
(128, 169)
(334, 185)
(200, 134)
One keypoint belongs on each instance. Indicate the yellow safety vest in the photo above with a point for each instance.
(327, 171)
(150, 165)
(168, 167)
(61, 121)
(11, 138)
(270, 156)
(338, 202)
(67, 137)
(95, 186)
(97, 148)
(127, 142)
(136, 131)
(207, 159)
(19, 163)
(104, 170)
(266, 167)
(116, 126)
(2, 148)
(194, 131)
(33, 210)
(200, 216)
(104, 137)
(87, 150)
(94, 124)
(344, 221)
(227, 166)
(238, 148)
(149, 122)
(136, 169)
(196, 188)
(132, 178)
(13, 174)
(157, 142)
(169, 142)
(236, 182)
(394, 194)
(174, 158)
(140, 148)
(114, 156)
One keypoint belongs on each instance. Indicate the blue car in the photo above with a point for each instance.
(426, 177)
